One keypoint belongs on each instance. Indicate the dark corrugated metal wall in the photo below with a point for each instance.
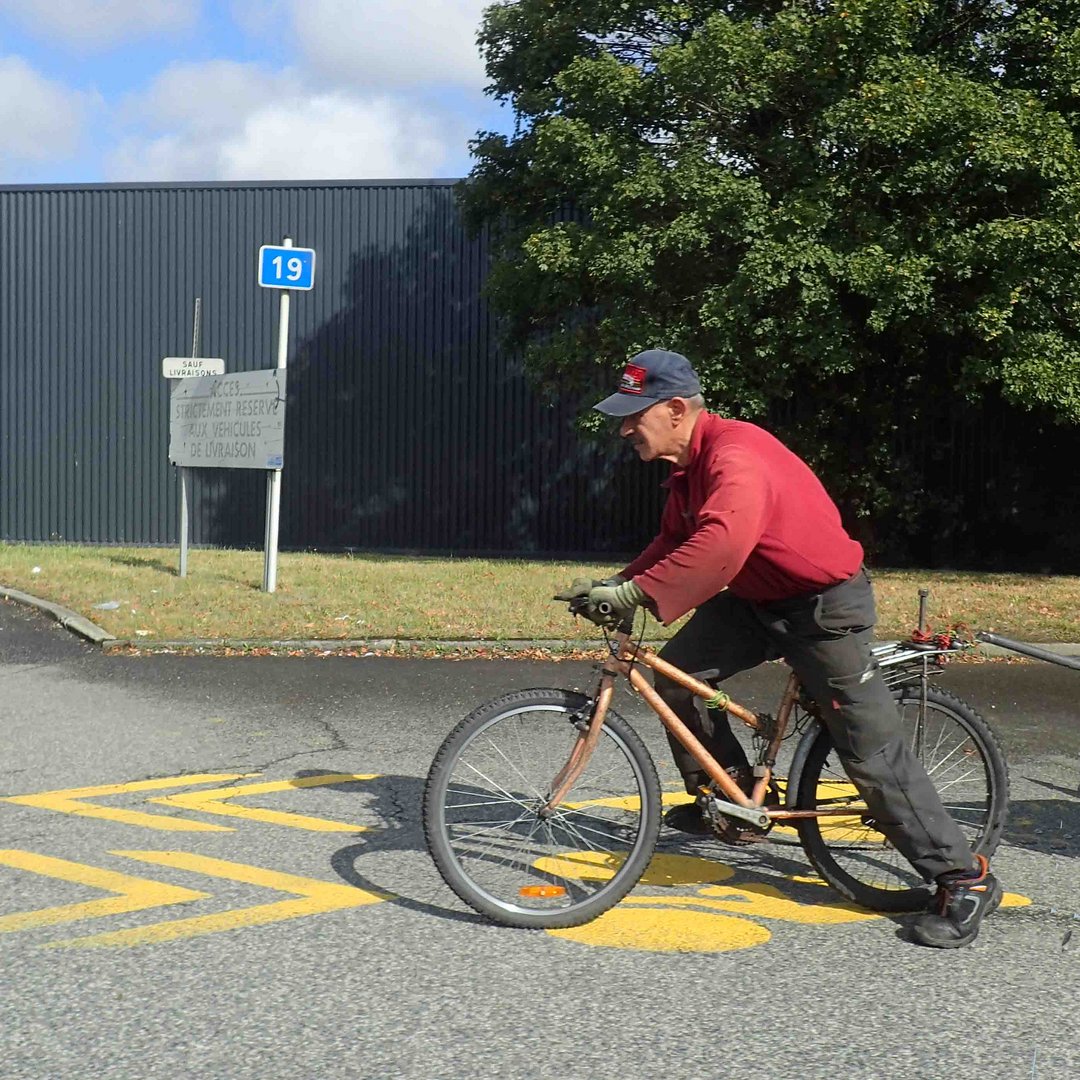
(405, 428)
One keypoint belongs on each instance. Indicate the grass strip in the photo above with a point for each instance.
(136, 594)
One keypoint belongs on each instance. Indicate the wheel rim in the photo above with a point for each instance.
(956, 764)
(509, 855)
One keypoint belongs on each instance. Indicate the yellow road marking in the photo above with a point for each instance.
(665, 871)
(1011, 899)
(213, 802)
(768, 902)
(132, 893)
(692, 923)
(659, 930)
(310, 897)
(69, 801)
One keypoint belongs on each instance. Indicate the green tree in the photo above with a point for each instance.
(869, 207)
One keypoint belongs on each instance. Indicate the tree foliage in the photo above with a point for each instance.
(866, 205)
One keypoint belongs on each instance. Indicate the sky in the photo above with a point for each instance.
(113, 91)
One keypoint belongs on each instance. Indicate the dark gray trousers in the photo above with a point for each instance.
(825, 638)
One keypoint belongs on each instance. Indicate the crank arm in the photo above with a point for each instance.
(754, 815)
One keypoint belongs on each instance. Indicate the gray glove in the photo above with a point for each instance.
(612, 605)
(578, 589)
(582, 586)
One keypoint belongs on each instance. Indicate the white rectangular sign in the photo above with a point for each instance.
(187, 367)
(232, 421)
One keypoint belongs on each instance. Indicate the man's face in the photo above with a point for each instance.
(651, 432)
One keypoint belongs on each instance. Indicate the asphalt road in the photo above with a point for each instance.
(252, 926)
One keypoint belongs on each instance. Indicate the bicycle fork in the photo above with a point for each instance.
(583, 747)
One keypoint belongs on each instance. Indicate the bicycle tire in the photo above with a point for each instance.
(852, 856)
(523, 851)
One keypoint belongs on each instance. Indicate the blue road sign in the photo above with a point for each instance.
(286, 267)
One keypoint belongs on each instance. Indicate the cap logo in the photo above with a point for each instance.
(633, 380)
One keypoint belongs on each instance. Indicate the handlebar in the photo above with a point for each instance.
(579, 605)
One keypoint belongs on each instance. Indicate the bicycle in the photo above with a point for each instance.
(542, 808)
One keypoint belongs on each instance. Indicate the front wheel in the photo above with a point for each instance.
(964, 760)
(482, 820)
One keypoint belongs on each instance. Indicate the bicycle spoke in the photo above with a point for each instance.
(939, 764)
(506, 794)
(596, 832)
(525, 780)
(578, 828)
(474, 793)
(483, 802)
(956, 780)
(486, 831)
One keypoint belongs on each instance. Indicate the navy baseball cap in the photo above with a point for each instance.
(651, 376)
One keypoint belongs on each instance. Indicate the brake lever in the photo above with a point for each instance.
(578, 605)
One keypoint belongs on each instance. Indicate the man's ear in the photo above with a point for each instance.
(678, 408)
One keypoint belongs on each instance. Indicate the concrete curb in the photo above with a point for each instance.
(395, 646)
(500, 648)
(70, 620)
(79, 624)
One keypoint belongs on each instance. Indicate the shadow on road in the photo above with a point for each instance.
(1045, 825)
(393, 803)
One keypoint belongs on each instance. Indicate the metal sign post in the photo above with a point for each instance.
(283, 268)
(179, 369)
(184, 523)
(184, 526)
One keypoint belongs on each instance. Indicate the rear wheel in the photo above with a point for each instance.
(963, 758)
(487, 786)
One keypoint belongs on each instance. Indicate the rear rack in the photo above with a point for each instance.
(910, 658)
(904, 661)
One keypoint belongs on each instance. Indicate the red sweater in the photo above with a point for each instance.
(747, 514)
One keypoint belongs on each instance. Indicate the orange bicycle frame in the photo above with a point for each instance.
(624, 660)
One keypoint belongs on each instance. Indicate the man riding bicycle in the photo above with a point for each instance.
(752, 541)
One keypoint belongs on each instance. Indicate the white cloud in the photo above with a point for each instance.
(334, 136)
(231, 121)
(373, 43)
(40, 121)
(100, 23)
(210, 96)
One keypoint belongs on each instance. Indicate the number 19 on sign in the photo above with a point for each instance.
(286, 267)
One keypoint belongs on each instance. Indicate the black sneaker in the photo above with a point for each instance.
(738, 833)
(690, 818)
(687, 818)
(962, 901)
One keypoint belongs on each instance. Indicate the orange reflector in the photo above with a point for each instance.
(541, 891)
